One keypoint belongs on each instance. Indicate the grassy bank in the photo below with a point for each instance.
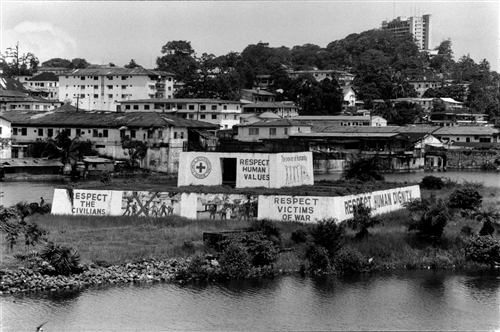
(118, 240)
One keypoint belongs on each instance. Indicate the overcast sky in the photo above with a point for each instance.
(105, 31)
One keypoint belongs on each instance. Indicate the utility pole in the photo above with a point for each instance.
(77, 101)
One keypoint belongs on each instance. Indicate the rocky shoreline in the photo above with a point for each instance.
(25, 280)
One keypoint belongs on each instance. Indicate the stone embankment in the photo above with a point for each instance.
(26, 280)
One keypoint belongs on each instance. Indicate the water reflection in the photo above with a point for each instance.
(407, 300)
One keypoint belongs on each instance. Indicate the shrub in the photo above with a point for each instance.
(429, 216)
(363, 220)
(261, 250)
(483, 249)
(199, 268)
(350, 260)
(328, 234)
(488, 218)
(318, 258)
(299, 236)
(269, 228)
(432, 182)
(235, 261)
(466, 230)
(64, 260)
(465, 199)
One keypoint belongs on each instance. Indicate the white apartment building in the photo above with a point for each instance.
(104, 88)
(47, 83)
(225, 113)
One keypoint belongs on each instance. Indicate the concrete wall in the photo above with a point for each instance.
(5, 139)
(307, 209)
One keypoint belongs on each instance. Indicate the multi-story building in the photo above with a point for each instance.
(343, 77)
(423, 83)
(104, 88)
(282, 109)
(342, 120)
(425, 103)
(47, 82)
(471, 136)
(271, 129)
(224, 113)
(419, 26)
(26, 103)
(256, 96)
(105, 131)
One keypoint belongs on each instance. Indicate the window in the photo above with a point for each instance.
(224, 107)
(110, 78)
(124, 86)
(160, 133)
(110, 96)
(82, 95)
(182, 134)
(191, 107)
(26, 107)
(24, 131)
(272, 131)
(175, 135)
(82, 87)
(236, 117)
(286, 131)
(214, 116)
(202, 116)
(37, 107)
(214, 107)
(124, 96)
(82, 78)
(122, 133)
(96, 78)
(127, 107)
(136, 107)
(105, 133)
(169, 88)
(179, 107)
(96, 87)
(150, 134)
(14, 131)
(50, 132)
(203, 107)
(110, 87)
(132, 133)
(146, 107)
(40, 131)
(253, 131)
(191, 116)
(485, 139)
(78, 132)
(96, 96)
(95, 133)
(467, 139)
(124, 78)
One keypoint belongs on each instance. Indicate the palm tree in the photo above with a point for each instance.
(62, 146)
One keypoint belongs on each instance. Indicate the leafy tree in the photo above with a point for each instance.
(465, 199)
(20, 63)
(179, 59)
(79, 63)
(57, 62)
(329, 234)
(316, 98)
(62, 147)
(132, 64)
(136, 150)
(455, 91)
(363, 169)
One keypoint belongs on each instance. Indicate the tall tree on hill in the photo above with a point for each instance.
(132, 64)
(179, 59)
(79, 63)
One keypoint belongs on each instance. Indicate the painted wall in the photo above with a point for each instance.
(306, 209)
(310, 209)
(5, 139)
(253, 169)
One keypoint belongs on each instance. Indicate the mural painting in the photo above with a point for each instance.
(226, 206)
(150, 204)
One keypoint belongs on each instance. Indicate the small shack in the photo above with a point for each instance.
(30, 168)
(97, 165)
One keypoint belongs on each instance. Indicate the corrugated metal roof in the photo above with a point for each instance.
(45, 76)
(29, 162)
(466, 130)
(180, 100)
(116, 71)
(268, 104)
(350, 135)
(259, 92)
(275, 123)
(99, 119)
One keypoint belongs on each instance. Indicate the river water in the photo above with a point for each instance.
(404, 300)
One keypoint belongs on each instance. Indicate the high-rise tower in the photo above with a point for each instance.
(419, 26)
